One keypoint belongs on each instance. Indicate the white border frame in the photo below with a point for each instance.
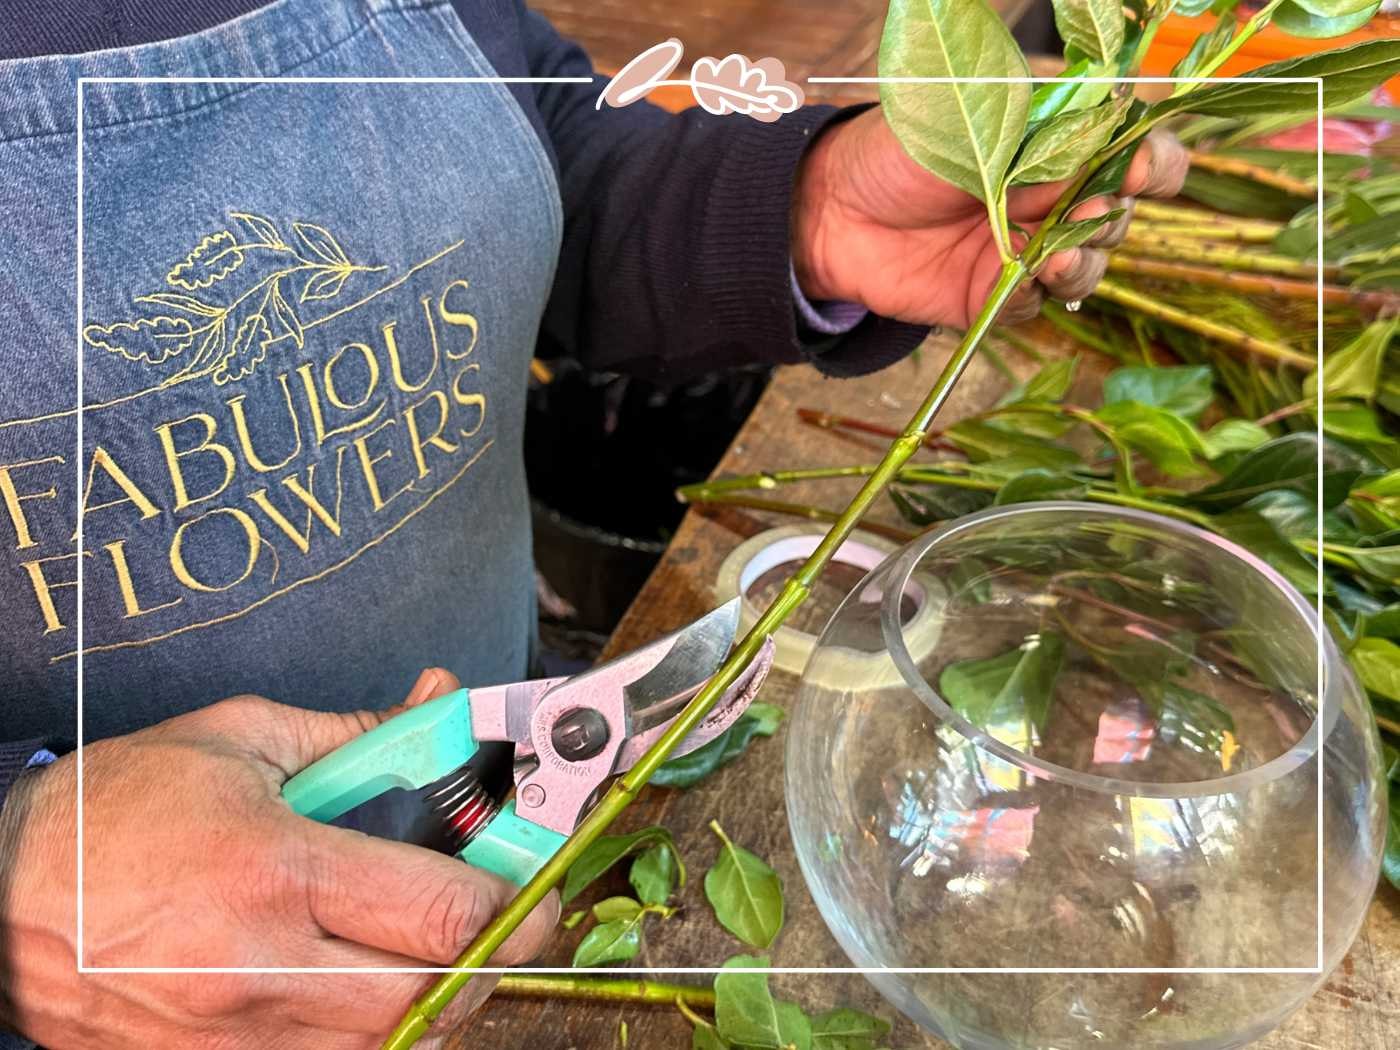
(653, 970)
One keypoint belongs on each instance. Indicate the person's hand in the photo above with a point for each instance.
(869, 225)
(193, 859)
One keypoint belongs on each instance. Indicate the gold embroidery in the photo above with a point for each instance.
(272, 596)
(97, 406)
(14, 499)
(233, 337)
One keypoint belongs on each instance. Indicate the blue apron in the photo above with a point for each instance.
(307, 314)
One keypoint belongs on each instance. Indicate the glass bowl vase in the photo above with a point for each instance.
(1069, 776)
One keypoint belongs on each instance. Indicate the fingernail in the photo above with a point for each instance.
(423, 688)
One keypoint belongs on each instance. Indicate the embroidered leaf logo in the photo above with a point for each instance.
(213, 259)
(258, 314)
(150, 339)
(263, 233)
(721, 86)
(320, 243)
(247, 352)
(323, 285)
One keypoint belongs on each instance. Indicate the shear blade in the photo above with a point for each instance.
(695, 654)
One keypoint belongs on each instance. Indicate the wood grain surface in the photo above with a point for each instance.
(1358, 1008)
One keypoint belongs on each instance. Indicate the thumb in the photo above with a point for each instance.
(292, 738)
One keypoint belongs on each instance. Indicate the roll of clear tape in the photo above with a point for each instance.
(841, 667)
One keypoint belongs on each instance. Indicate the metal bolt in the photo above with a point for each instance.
(532, 796)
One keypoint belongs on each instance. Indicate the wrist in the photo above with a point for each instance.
(812, 200)
(38, 965)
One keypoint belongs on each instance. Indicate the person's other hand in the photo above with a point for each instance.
(193, 859)
(869, 225)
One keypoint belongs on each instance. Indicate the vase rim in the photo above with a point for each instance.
(1303, 749)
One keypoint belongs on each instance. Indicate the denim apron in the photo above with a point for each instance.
(307, 314)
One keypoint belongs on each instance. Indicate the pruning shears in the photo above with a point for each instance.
(557, 739)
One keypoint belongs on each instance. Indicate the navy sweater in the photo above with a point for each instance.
(700, 279)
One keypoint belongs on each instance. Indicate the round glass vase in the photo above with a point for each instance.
(1072, 776)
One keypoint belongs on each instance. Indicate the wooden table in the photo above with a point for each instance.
(1358, 1009)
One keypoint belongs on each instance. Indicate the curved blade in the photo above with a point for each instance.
(695, 653)
(724, 714)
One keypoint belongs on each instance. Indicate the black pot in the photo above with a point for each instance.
(604, 455)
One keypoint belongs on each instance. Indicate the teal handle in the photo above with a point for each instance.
(511, 847)
(413, 749)
(423, 744)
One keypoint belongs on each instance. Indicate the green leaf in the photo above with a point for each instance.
(1169, 442)
(1206, 47)
(984, 441)
(610, 942)
(1233, 435)
(615, 908)
(846, 1029)
(747, 1015)
(1066, 92)
(1074, 232)
(1051, 383)
(607, 851)
(746, 893)
(1355, 369)
(1381, 562)
(1348, 74)
(759, 719)
(1095, 27)
(1015, 687)
(1040, 484)
(706, 1038)
(1109, 178)
(1352, 422)
(1294, 20)
(1064, 143)
(654, 875)
(1335, 8)
(1390, 862)
(1288, 462)
(573, 919)
(1260, 536)
(966, 134)
(1184, 389)
(1377, 663)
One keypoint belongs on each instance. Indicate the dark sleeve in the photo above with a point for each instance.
(676, 257)
(15, 757)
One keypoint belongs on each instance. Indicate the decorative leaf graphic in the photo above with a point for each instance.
(320, 243)
(323, 284)
(213, 259)
(149, 339)
(733, 85)
(286, 317)
(176, 301)
(262, 230)
(249, 350)
(636, 79)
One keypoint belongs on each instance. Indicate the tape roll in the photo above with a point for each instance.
(843, 667)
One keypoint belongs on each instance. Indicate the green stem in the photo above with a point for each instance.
(1133, 300)
(1190, 250)
(797, 510)
(1243, 169)
(1205, 231)
(1254, 25)
(1220, 227)
(626, 787)
(604, 990)
(1024, 345)
(1066, 322)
